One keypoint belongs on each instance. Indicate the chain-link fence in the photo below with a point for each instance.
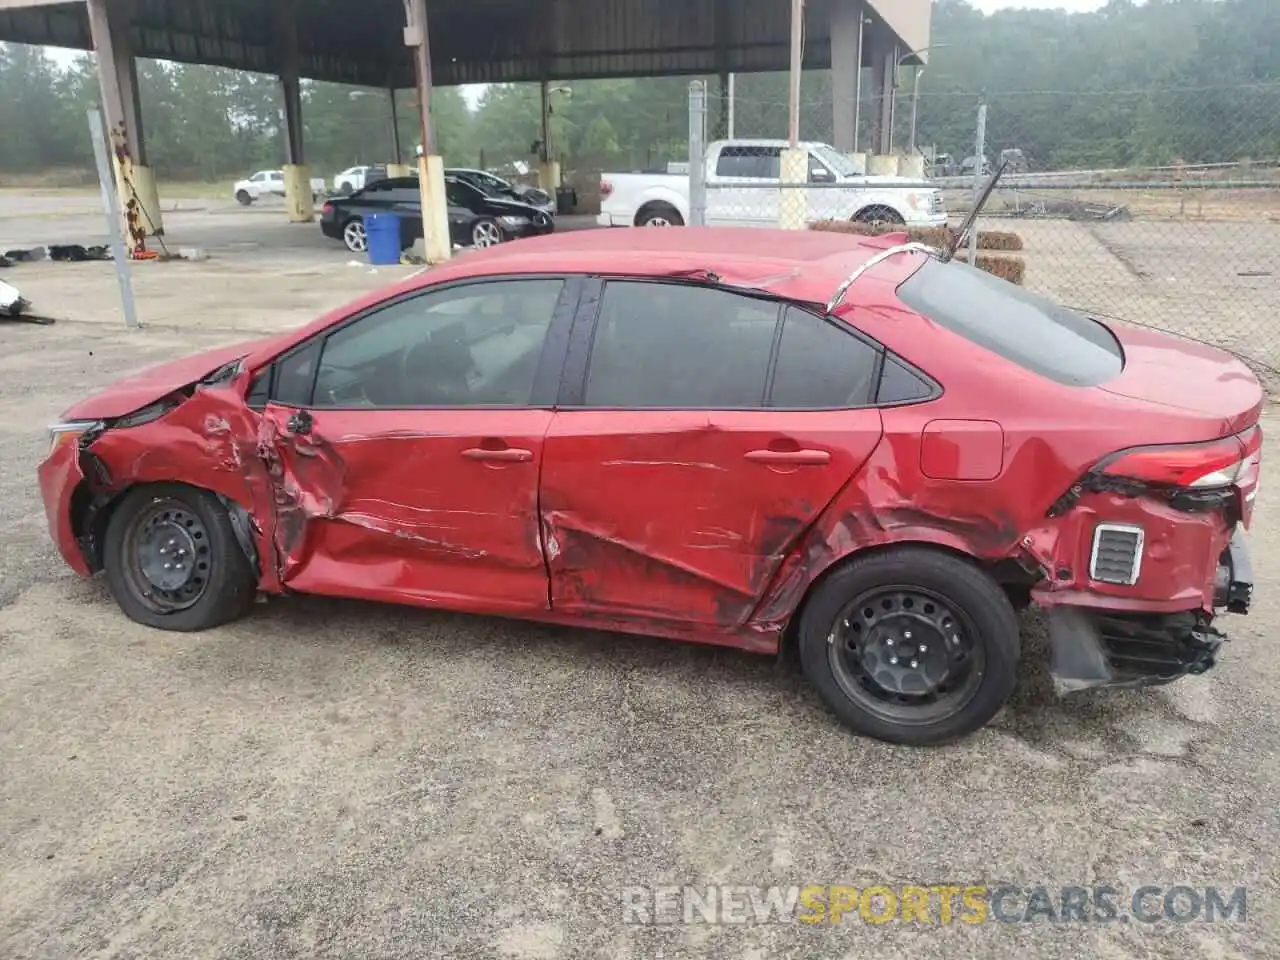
(1161, 208)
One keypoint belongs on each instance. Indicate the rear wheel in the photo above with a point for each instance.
(659, 215)
(879, 214)
(243, 198)
(911, 645)
(172, 559)
(355, 236)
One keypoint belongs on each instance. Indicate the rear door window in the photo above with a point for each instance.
(822, 365)
(667, 345)
(1053, 341)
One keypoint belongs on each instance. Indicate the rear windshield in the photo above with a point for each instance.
(1035, 333)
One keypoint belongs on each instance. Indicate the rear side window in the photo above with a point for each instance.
(821, 366)
(761, 162)
(1053, 341)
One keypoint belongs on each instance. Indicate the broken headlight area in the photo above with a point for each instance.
(73, 431)
(1092, 649)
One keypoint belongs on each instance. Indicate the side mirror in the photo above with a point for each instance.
(817, 174)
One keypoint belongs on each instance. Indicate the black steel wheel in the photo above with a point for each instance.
(166, 556)
(173, 561)
(905, 654)
(911, 645)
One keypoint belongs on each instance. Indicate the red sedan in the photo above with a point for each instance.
(692, 434)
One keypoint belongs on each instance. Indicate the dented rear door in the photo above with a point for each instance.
(674, 482)
(684, 517)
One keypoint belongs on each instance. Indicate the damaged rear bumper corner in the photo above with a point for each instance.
(1104, 648)
(1093, 648)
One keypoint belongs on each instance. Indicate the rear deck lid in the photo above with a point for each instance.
(1184, 375)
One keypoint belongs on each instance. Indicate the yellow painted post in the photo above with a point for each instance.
(148, 197)
(882, 165)
(793, 205)
(435, 209)
(297, 193)
(549, 176)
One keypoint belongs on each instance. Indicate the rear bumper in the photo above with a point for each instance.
(1233, 585)
(1106, 648)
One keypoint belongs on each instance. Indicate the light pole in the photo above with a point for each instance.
(915, 88)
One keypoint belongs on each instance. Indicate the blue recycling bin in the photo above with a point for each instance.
(382, 231)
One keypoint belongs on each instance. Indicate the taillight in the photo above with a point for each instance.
(1217, 463)
(327, 208)
(606, 188)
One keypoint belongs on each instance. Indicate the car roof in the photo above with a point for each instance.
(796, 265)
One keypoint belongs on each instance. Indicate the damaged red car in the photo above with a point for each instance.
(849, 447)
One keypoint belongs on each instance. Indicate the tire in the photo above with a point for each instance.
(950, 617)
(659, 215)
(879, 214)
(354, 236)
(211, 581)
(243, 198)
(345, 189)
(485, 232)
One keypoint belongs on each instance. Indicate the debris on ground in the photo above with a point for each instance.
(1067, 208)
(59, 252)
(14, 306)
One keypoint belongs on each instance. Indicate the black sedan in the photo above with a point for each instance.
(476, 219)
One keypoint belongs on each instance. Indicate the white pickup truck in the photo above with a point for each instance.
(269, 183)
(739, 175)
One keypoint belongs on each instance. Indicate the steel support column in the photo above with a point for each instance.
(297, 181)
(846, 72)
(117, 78)
(435, 208)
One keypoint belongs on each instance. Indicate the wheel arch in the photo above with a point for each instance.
(91, 512)
(663, 198)
(1007, 573)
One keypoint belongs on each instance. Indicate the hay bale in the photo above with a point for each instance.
(999, 240)
(933, 236)
(1013, 269)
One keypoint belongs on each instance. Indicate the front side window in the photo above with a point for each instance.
(1054, 341)
(470, 346)
(257, 178)
(664, 345)
(822, 365)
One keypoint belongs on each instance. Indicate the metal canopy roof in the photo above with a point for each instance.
(474, 41)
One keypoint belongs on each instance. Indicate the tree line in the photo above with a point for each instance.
(1189, 80)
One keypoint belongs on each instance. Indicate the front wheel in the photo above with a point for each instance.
(486, 233)
(910, 645)
(243, 198)
(173, 561)
(355, 236)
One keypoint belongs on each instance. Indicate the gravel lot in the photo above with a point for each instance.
(331, 779)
